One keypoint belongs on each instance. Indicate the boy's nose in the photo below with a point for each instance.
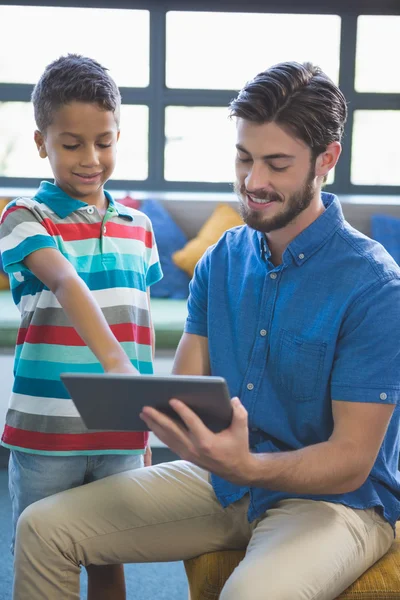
(89, 158)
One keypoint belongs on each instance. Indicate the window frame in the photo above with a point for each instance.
(157, 96)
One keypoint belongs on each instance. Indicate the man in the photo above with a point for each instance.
(300, 313)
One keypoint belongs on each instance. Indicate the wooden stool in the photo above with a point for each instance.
(207, 575)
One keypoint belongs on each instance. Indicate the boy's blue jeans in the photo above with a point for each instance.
(32, 477)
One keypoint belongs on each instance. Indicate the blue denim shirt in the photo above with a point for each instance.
(324, 325)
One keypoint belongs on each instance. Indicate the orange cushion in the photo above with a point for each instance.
(224, 217)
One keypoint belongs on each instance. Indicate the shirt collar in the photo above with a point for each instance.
(317, 234)
(314, 236)
(63, 205)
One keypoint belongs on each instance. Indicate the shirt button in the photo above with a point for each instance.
(104, 230)
(383, 396)
(263, 332)
(90, 210)
(301, 255)
(273, 275)
(250, 386)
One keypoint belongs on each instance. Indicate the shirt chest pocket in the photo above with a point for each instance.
(300, 366)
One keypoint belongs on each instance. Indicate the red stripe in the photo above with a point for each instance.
(73, 231)
(68, 336)
(11, 210)
(85, 231)
(129, 232)
(107, 440)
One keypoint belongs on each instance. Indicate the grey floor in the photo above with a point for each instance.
(161, 581)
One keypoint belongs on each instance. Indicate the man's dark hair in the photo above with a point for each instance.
(73, 78)
(298, 97)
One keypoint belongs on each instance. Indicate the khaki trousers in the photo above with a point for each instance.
(298, 550)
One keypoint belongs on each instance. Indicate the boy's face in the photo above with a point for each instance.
(81, 147)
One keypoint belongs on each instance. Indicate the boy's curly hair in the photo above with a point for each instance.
(73, 78)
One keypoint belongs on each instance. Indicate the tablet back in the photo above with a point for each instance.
(113, 402)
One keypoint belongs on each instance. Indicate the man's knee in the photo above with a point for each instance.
(32, 524)
(37, 529)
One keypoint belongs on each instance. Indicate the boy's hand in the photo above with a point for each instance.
(122, 367)
(147, 457)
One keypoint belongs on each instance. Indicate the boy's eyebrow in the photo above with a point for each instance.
(267, 156)
(78, 137)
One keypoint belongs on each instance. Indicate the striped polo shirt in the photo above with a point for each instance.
(116, 256)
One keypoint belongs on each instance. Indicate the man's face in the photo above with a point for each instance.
(275, 180)
(81, 144)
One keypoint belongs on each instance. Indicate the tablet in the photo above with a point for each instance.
(113, 402)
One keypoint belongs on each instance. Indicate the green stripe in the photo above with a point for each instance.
(96, 263)
(78, 354)
(13, 258)
(92, 246)
(68, 453)
(37, 369)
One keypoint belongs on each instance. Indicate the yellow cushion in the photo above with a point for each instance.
(3, 203)
(4, 282)
(207, 575)
(224, 217)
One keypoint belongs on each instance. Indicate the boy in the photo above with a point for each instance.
(80, 266)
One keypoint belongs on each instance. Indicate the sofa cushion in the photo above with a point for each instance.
(386, 230)
(224, 217)
(169, 238)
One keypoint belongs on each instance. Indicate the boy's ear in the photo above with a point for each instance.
(40, 143)
(118, 134)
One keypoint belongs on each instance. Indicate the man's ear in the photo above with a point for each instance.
(328, 159)
(40, 143)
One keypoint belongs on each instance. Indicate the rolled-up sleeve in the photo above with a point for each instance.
(367, 359)
(197, 319)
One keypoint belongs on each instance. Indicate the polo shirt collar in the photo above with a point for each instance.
(63, 205)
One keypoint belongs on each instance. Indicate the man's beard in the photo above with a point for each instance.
(295, 205)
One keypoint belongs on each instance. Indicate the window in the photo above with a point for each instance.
(378, 49)
(225, 50)
(178, 70)
(133, 143)
(200, 144)
(376, 154)
(18, 155)
(103, 34)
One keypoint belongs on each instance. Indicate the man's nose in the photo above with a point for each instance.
(257, 178)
